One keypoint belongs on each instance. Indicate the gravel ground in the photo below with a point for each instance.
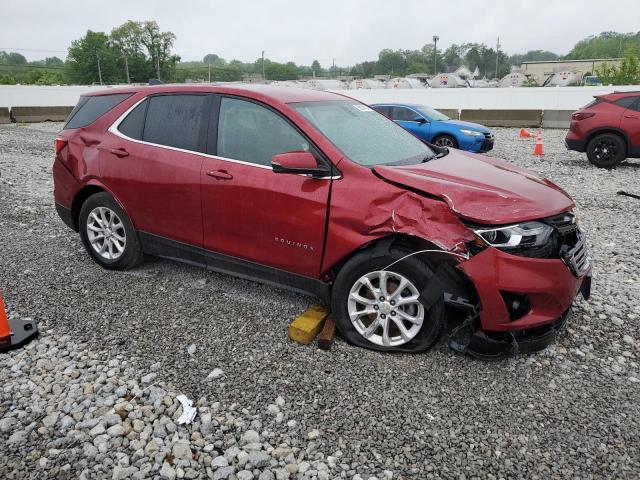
(95, 395)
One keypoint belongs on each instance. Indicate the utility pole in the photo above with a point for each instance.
(158, 63)
(126, 67)
(99, 70)
(333, 69)
(209, 71)
(264, 76)
(497, 56)
(435, 54)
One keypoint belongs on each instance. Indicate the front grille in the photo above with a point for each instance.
(488, 136)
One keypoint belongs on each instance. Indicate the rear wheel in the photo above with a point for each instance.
(445, 141)
(107, 233)
(606, 150)
(378, 304)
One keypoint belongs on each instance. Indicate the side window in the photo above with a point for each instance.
(386, 111)
(626, 102)
(90, 108)
(176, 121)
(403, 114)
(635, 106)
(252, 133)
(133, 124)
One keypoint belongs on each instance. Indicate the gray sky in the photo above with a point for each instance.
(299, 30)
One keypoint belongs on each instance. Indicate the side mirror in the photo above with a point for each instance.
(301, 163)
(420, 120)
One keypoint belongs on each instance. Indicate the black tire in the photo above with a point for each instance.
(445, 141)
(132, 254)
(606, 150)
(416, 270)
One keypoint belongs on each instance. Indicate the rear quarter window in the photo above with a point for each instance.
(89, 109)
(626, 102)
(133, 124)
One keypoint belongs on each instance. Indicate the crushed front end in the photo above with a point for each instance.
(526, 277)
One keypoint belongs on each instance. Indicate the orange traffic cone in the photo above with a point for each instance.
(14, 332)
(538, 150)
(524, 133)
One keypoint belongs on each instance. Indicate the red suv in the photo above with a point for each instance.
(608, 129)
(319, 193)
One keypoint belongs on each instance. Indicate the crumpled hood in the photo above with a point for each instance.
(482, 189)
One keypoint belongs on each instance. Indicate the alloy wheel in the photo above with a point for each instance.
(605, 150)
(384, 308)
(106, 233)
(445, 142)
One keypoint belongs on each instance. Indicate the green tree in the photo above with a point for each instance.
(158, 47)
(85, 54)
(605, 45)
(628, 73)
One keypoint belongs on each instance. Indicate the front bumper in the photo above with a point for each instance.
(548, 284)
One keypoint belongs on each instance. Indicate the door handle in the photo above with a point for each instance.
(119, 152)
(221, 174)
(630, 116)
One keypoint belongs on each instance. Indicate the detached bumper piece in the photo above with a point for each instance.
(468, 338)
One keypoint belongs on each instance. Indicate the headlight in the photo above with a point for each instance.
(472, 133)
(527, 234)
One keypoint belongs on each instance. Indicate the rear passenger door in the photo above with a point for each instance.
(152, 160)
(630, 124)
(251, 213)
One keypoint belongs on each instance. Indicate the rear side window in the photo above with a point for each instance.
(176, 121)
(133, 125)
(89, 109)
(626, 102)
(383, 110)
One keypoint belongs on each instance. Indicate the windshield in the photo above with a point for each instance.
(363, 135)
(432, 113)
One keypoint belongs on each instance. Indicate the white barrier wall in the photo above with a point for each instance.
(530, 98)
(535, 98)
(43, 96)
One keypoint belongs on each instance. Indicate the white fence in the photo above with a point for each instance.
(537, 98)
(529, 98)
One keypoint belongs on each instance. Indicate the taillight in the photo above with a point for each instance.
(581, 115)
(60, 144)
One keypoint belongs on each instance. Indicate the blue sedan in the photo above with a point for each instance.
(434, 127)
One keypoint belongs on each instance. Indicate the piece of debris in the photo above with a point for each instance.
(215, 373)
(328, 333)
(305, 327)
(191, 349)
(188, 411)
(627, 194)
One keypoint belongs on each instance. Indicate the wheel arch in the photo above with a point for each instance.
(611, 131)
(383, 244)
(83, 194)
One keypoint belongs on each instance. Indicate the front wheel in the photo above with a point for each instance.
(379, 304)
(606, 150)
(107, 233)
(445, 141)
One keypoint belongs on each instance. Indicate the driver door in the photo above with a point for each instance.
(406, 118)
(250, 213)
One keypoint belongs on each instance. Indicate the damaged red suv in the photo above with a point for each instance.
(317, 192)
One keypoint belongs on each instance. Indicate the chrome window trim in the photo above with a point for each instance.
(114, 130)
